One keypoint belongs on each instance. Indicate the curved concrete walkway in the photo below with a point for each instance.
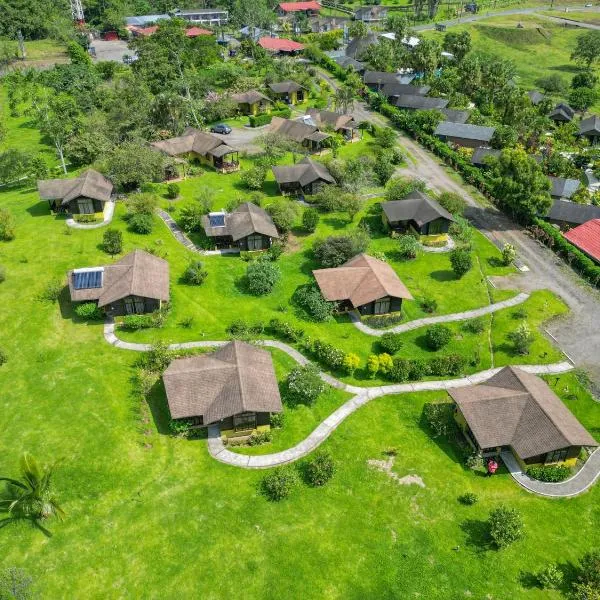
(576, 485)
(109, 211)
(579, 483)
(410, 325)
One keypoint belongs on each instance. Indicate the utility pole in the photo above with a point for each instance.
(77, 12)
(21, 43)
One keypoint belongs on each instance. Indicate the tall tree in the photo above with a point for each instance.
(426, 57)
(587, 50)
(458, 44)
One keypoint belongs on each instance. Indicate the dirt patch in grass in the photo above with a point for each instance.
(385, 466)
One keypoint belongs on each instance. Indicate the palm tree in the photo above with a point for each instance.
(31, 497)
(344, 97)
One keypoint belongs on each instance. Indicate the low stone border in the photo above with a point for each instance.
(410, 325)
(447, 247)
(109, 211)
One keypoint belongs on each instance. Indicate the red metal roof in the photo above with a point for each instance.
(296, 6)
(587, 238)
(145, 30)
(196, 31)
(281, 44)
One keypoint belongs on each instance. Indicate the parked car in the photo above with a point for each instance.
(220, 128)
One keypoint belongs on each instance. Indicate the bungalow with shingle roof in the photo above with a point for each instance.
(482, 155)
(536, 97)
(248, 228)
(347, 62)
(289, 92)
(456, 116)
(252, 102)
(365, 284)
(299, 131)
(562, 113)
(358, 45)
(517, 411)
(137, 283)
(415, 102)
(375, 80)
(394, 89)
(206, 147)
(566, 213)
(417, 212)
(85, 194)
(463, 134)
(306, 177)
(326, 119)
(590, 128)
(563, 188)
(234, 387)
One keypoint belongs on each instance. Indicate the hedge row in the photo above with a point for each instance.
(403, 120)
(265, 118)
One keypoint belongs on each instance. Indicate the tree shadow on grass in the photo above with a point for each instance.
(157, 403)
(17, 520)
(335, 222)
(477, 534)
(42, 209)
(443, 276)
(452, 445)
(495, 262)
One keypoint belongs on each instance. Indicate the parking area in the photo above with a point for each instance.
(110, 50)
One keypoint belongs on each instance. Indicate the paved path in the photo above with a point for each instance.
(109, 211)
(469, 314)
(579, 483)
(362, 395)
(182, 238)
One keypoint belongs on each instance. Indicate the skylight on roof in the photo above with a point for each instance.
(86, 279)
(216, 219)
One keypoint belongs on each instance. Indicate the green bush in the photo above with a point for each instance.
(190, 217)
(428, 304)
(550, 577)
(328, 354)
(550, 473)
(439, 417)
(319, 469)
(310, 219)
(390, 342)
(275, 251)
(89, 310)
(52, 290)
(195, 273)
(334, 251)
(277, 420)
(157, 359)
(260, 437)
(468, 499)
(285, 330)
(112, 241)
(452, 202)
(476, 325)
(136, 322)
(279, 483)
(408, 247)
(461, 261)
(259, 120)
(522, 338)
(262, 275)
(141, 223)
(172, 190)
(505, 526)
(7, 225)
(304, 385)
(438, 336)
(310, 299)
(254, 177)
(588, 579)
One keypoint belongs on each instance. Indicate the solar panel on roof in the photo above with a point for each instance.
(85, 280)
(216, 219)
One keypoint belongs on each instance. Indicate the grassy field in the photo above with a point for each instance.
(150, 515)
(538, 49)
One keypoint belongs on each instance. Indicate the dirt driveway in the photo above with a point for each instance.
(244, 138)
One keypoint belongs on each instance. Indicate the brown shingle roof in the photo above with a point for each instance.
(242, 222)
(518, 409)
(250, 97)
(305, 172)
(236, 378)
(417, 207)
(90, 184)
(361, 280)
(136, 274)
(194, 140)
(327, 118)
(285, 87)
(295, 130)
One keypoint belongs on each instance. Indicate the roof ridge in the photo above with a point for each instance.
(238, 373)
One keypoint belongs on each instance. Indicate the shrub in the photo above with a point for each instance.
(277, 420)
(186, 322)
(550, 577)
(89, 310)
(3, 357)
(508, 254)
(390, 342)
(52, 290)
(262, 275)
(399, 187)
(386, 137)
(195, 273)
(336, 250)
(112, 241)
(275, 251)
(438, 336)
(385, 363)
(373, 364)
(2, 274)
(310, 299)
(418, 369)
(190, 217)
(141, 223)
(383, 321)
(351, 362)
(452, 202)
(328, 354)
(260, 437)
(259, 120)
(157, 359)
(7, 225)
(283, 213)
(588, 580)
(520, 313)
(551, 473)
(408, 247)
(285, 330)
(304, 385)
(505, 526)
(438, 416)
(468, 499)
(254, 178)
(16, 584)
(279, 483)
(461, 261)
(522, 338)
(319, 469)
(310, 219)
(172, 190)
(476, 325)
(136, 322)
(428, 304)
(474, 461)
(461, 229)
(144, 203)
(400, 370)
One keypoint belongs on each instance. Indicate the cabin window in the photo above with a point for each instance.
(255, 242)
(134, 305)
(86, 206)
(244, 421)
(382, 306)
(557, 456)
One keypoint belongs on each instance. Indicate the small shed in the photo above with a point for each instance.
(306, 177)
(288, 91)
